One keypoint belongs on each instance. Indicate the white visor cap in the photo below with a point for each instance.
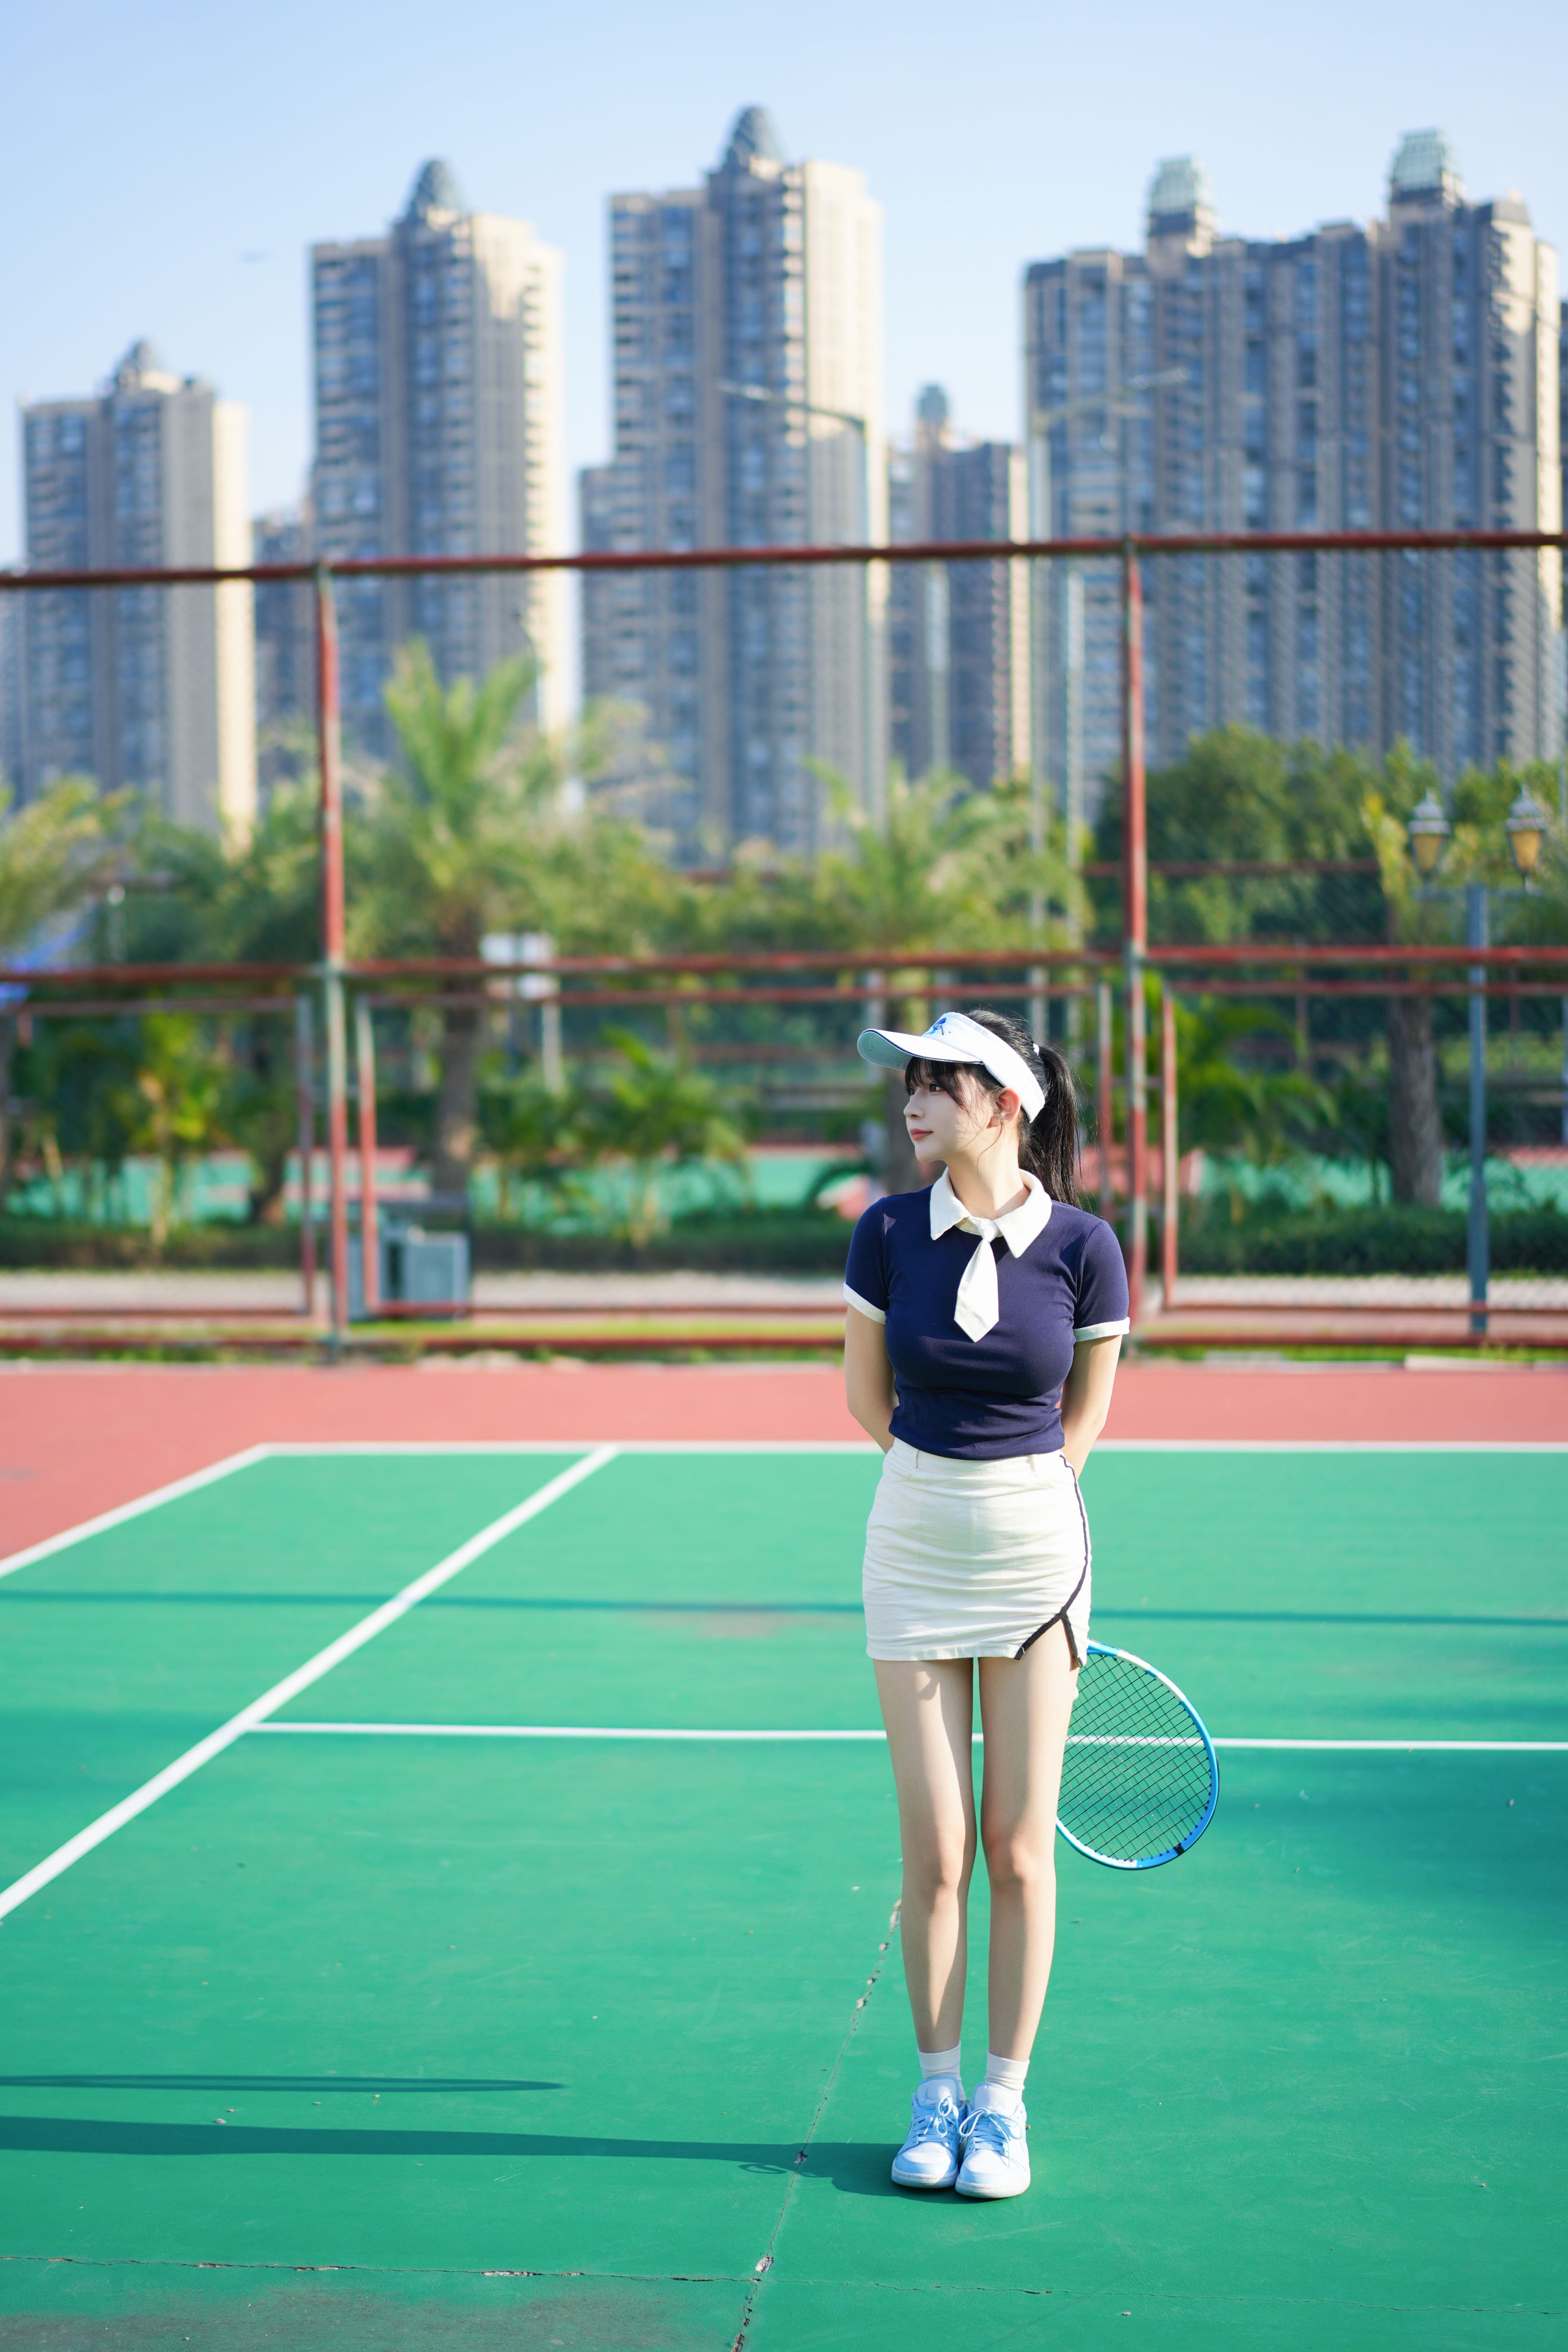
(956, 1038)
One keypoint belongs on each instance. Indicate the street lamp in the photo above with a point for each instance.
(1527, 822)
(1429, 830)
(1526, 833)
(765, 395)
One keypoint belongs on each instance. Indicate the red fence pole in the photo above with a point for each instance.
(1169, 1152)
(329, 731)
(369, 1226)
(1135, 925)
(305, 1121)
(1106, 1083)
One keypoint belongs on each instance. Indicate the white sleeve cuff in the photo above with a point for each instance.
(1102, 1331)
(875, 1314)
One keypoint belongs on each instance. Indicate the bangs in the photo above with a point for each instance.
(942, 1077)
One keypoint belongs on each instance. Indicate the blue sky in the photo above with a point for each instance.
(168, 164)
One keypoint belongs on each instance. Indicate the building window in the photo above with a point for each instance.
(1254, 498)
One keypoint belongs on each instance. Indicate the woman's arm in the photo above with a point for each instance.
(1085, 1396)
(868, 1376)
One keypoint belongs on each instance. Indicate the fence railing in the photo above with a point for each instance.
(1326, 969)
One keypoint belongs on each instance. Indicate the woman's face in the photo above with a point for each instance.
(942, 1127)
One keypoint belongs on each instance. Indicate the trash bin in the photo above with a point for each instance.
(419, 1268)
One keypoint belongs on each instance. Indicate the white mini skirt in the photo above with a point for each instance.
(974, 1560)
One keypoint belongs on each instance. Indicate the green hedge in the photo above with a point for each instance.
(1396, 1239)
(57, 1241)
(1391, 1240)
(769, 1241)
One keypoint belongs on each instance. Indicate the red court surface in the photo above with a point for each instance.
(77, 1440)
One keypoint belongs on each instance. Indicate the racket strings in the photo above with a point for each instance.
(1137, 1776)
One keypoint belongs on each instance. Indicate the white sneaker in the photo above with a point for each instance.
(995, 2150)
(929, 2156)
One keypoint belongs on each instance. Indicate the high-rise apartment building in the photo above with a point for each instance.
(438, 431)
(284, 643)
(746, 320)
(11, 695)
(958, 643)
(146, 689)
(1399, 375)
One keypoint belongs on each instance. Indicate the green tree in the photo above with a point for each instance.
(475, 835)
(52, 856)
(263, 905)
(655, 1112)
(173, 1108)
(1414, 1124)
(1235, 1096)
(535, 1131)
(942, 867)
(1238, 800)
(449, 843)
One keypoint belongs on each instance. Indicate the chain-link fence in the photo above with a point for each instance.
(1274, 833)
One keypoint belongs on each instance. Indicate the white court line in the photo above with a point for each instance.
(307, 1448)
(547, 1731)
(300, 1679)
(1416, 1747)
(1329, 1446)
(123, 1511)
(627, 1731)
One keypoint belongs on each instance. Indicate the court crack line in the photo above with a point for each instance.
(766, 2264)
(1162, 2295)
(251, 1717)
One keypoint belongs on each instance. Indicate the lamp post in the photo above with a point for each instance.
(1041, 423)
(1429, 830)
(768, 398)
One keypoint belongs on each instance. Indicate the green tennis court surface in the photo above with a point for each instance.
(411, 2038)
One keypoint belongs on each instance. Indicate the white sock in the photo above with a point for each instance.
(942, 2066)
(1006, 2076)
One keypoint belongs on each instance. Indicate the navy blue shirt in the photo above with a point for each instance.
(983, 1400)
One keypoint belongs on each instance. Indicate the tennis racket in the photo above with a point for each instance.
(1139, 1782)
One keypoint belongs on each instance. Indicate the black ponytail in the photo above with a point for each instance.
(1047, 1143)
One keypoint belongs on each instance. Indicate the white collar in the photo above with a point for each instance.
(1018, 1227)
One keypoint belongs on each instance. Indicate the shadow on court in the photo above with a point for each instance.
(574, 1604)
(857, 2168)
(377, 2085)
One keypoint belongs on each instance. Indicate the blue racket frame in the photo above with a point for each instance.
(1152, 1861)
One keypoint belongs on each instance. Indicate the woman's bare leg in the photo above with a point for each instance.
(929, 1710)
(1025, 1706)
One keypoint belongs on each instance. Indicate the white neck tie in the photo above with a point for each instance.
(977, 1308)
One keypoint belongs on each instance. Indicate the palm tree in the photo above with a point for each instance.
(50, 854)
(943, 867)
(264, 905)
(174, 1109)
(451, 852)
(533, 1131)
(657, 1112)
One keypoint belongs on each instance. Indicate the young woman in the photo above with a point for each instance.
(985, 1320)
